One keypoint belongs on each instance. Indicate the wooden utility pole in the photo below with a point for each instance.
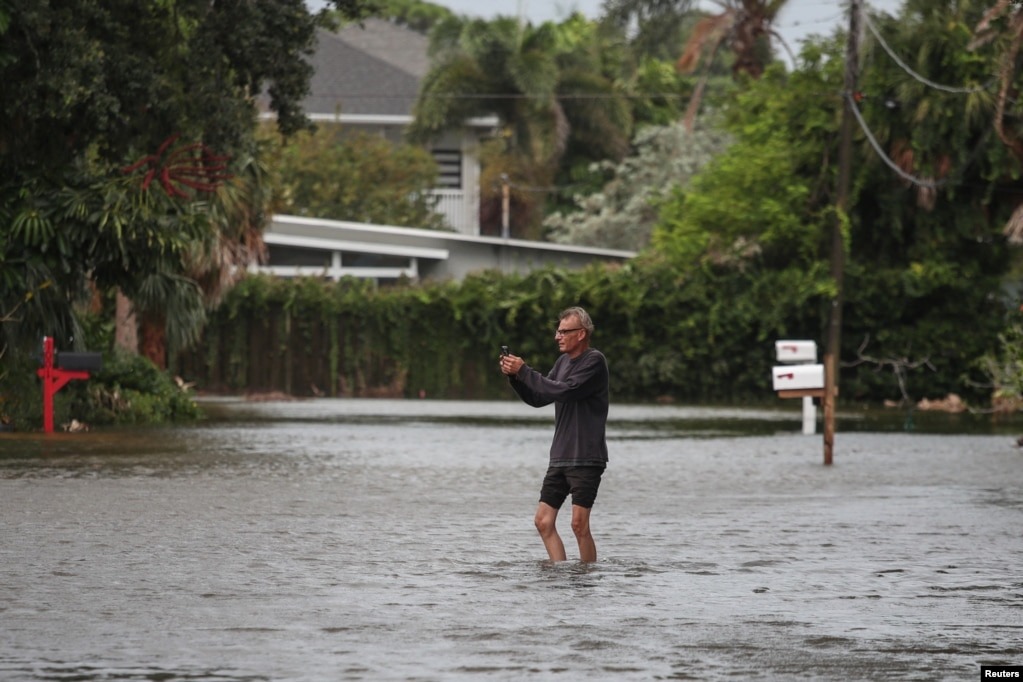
(833, 354)
(505, 207)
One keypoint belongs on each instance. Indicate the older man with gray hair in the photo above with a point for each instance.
(578, 385)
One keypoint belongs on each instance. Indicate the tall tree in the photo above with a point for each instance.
(921, 267)
(1002, 25)
(622, 214)
(746, 28)
(657, 27)
(120, 122)
(545, 84)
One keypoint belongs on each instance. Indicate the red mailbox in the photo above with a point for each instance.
(57, 370)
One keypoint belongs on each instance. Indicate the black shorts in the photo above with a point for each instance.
(582, 482)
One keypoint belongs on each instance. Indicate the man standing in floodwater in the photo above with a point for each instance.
(578, 387)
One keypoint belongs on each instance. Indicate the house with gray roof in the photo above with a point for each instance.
(367, 73)
(367, 79)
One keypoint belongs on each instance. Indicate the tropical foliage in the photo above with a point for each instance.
(746, 26)
(657, 27)
(623, 213)
(415, 14)
(126, 152)
(309, 337)
(551, 87)
(930, 200)
(127, 159)
(326, 173)
(739, 231)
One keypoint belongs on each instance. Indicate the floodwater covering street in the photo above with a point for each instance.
(393, 540)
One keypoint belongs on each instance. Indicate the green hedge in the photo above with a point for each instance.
(703, 336)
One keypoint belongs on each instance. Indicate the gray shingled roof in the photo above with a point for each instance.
(375, 69)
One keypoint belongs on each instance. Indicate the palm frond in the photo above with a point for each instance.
(707, 35)
(177, 300)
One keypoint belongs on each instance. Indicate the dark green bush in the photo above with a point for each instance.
(129, 390)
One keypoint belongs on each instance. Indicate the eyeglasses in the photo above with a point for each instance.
(562, 332)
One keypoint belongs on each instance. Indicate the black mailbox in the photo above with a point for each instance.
(79, 361)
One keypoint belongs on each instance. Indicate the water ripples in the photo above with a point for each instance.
(343, 544)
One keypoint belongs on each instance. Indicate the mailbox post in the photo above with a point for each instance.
(799, 377)
(57, 370)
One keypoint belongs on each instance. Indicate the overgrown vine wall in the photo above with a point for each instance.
(702, 337)
(308, 337)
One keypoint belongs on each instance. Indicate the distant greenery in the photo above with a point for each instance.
(740, 239)
(327, 173)
(703, 336)
(415, 14)
(623, 213)
(1004, 367)
(740, 250)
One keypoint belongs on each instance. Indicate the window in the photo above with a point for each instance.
(449, 165)
(297, 256)
(372, 260)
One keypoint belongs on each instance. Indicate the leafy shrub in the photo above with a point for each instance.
(129, 390)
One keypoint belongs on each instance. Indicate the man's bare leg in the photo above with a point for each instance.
(545, 518)
(581, 528)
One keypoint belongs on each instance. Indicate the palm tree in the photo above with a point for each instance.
(171, 302)
(656, 27)
(500, 67)
(746, 27)
(1007, 16)
(1011, 40)
(544, 84)
(928, 92)
(933, 175)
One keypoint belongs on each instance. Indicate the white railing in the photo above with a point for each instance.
(336, 273)
(459, 210)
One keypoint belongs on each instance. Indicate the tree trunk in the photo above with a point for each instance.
(126, 335)
(153, 343)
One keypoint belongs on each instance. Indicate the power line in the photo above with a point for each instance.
(911, 72)
(930, 184)
(880, 152)
(811, 22)
(504, 96)
(911, 178)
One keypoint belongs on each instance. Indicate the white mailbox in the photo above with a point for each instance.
(796, 351)
(798, 377)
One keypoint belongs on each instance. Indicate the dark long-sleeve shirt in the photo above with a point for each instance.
(579, 390)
